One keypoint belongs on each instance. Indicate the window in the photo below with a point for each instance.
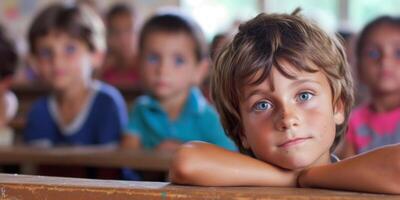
(324, 12)
(363, 11)
(215, 16)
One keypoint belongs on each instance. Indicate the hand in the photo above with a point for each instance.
(168, 145)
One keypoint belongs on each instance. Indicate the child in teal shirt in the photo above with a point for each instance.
(173, 62)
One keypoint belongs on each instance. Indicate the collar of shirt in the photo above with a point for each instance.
(195, 103)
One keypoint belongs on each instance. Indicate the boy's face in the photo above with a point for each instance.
(122, 35)
(62, 60)
(290, 123)
(169, 64)
(380, 60)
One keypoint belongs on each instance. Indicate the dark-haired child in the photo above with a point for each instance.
(67, 43)
(174, 60)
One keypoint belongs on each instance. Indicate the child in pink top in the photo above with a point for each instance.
(376, 123)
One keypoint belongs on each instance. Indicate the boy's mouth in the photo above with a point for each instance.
(293, 142)
(161, 83)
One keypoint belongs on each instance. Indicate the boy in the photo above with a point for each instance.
(284, 92)
(66, 43)
(173, 62)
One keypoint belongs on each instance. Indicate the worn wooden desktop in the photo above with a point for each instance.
(86, 156)
(40, 187)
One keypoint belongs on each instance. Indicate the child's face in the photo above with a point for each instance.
(62, 60)
(122, 35)
(169, 64)
(380, 60)
(290, 122)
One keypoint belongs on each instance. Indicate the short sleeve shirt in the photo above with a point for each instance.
(368, 129)
(197, 121)
(100, 122)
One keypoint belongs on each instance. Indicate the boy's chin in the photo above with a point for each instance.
(58, 85)
(297, 164)
(295, 167)
(164, 94)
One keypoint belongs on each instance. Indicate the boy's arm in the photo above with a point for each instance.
(168, 145)
(3, 106)
(377, 171)
(199, 163)
(130, 141)
(347, 150)
(8, 106)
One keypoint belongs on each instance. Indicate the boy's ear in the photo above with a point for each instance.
(338, 112)
(5, 84)
(97, 59)
(244, 142)
(39, 70)
(33, 63)
(201, 71)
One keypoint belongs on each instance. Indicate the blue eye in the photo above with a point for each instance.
(305, 96)
(70, 49)
(45, 53)
(374, 54)
(263, 105)
(152, 59)
(179, 60)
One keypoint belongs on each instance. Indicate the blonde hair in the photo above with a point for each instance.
(258, 46)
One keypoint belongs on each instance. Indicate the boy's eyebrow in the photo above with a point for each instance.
(301, 81)
(294, 83)
(253, 92)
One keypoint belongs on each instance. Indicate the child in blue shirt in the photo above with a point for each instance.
(173, 62)
(66, 44)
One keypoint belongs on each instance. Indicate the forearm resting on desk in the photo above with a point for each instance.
(199, 163)
(130, 141)
(377, 171)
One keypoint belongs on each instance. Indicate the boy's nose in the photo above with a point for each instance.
(163, 68)
(288, 119)
(56, 60)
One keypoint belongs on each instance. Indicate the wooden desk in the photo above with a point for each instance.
(40, 187)
(86, 156)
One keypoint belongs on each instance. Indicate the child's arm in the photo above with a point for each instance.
(168, 145)
(130, 141)
(199, 163)
(347, 150)
(3, 106)
(377, 171)
(8, 106)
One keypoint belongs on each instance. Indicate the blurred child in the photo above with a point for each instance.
(284, 91)
(376, 122)
(67, 43)
(8, 100)
(173, 62)
(121, 66)
(217, 43)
